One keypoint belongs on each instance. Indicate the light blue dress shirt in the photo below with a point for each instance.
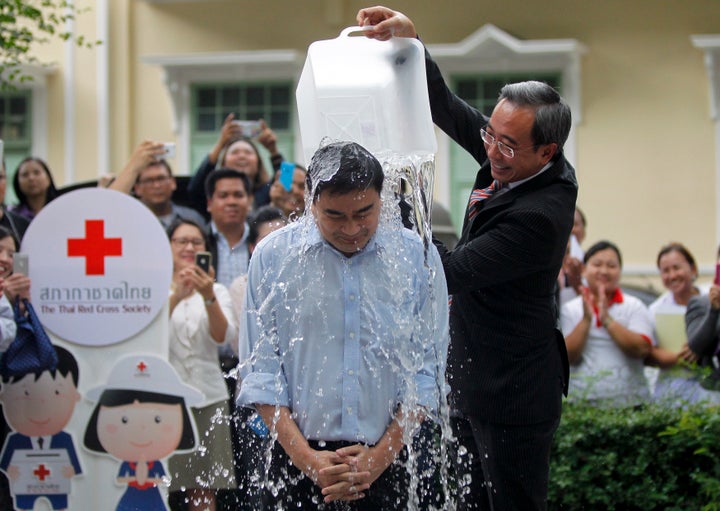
(342, 341)
(232, 261)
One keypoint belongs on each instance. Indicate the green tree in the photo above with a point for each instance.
(27, 22)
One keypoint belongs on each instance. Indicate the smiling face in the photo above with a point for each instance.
(242, 157)
(7, 251)
(348, 221)
(603, 270)
(512, 125)
(678, 275)
(229, 203)
(41, 407)
(140, 431)
(186, 241)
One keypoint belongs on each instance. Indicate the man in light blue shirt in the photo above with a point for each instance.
(229, 198)
(345, 340)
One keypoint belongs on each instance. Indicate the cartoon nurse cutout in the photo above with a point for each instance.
(141, 416)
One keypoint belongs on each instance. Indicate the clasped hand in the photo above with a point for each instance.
(346, 473)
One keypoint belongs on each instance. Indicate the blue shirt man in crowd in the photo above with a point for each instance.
(345, 340)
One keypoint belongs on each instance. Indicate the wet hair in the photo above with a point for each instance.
(122, 397)
(7, 233)
(553, 118)
(66, 365)
(343, 167)
(680, 249)
(261, 176)
(599, 247)
(175, 224)
(51, 192)
(262, 216)
(225, 173)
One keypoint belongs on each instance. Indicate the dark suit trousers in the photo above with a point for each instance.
(508, 465)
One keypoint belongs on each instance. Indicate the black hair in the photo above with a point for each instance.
(7, 233)
(175, 224)
(157, 163)
(343, 167)
(51, 192)
(225, 173)
(67, 364)
(122, 397)
(262, 176)
(599, 247)
(263, 215)
(680, 249)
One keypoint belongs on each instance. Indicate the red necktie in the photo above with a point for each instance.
(480, 194)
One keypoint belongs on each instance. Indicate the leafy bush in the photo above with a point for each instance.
(653, 458)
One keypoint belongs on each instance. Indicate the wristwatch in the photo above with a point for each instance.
(210, 301)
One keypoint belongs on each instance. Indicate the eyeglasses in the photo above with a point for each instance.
(154, 180)
(504, 149)
(181, 242)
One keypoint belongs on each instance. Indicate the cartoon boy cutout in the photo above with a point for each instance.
(39, 457)
(141, 416)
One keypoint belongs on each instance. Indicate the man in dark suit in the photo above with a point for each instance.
(507, 363)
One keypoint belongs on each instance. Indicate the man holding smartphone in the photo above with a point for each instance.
(149, 176)
(287, 192)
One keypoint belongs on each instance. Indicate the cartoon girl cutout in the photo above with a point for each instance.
(141, 416)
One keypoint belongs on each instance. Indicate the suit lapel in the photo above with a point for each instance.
(492, 204)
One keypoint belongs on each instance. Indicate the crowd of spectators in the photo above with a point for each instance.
(232, 202)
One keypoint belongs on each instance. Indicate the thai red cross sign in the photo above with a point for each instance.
(100, 266)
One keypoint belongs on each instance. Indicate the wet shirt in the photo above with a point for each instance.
(342, 341)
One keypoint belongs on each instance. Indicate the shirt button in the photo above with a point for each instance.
(352, 335)
(349, 409)
(351, 372)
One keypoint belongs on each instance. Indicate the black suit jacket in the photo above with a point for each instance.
(507, 360)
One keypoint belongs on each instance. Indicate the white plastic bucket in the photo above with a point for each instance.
(366, 91)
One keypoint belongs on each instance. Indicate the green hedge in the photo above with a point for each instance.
(649, 459)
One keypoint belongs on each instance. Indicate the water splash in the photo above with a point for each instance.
(408, 179)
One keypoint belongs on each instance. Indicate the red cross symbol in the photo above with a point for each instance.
(141, 366)
(41, 472)
(94, 247)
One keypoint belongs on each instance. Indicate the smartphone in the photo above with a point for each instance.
(249, 129)
(169, 148)
(21, 263)
(203, 259)
(287, 169)
(717, 274)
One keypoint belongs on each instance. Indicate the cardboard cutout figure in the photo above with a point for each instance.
(141, 416)
(38, 457)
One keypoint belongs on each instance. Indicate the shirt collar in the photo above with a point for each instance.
(518, 183)
(215, 232)
(314, 238)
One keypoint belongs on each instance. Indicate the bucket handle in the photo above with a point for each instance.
(347, 32)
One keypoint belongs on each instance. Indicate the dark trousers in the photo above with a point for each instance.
(287, 488)
(503, 467)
